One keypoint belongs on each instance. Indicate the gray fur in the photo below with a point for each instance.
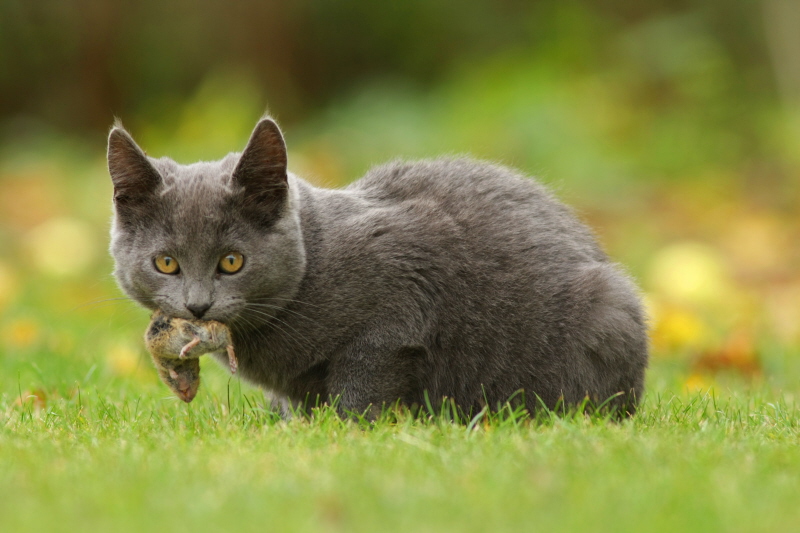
(453, 277)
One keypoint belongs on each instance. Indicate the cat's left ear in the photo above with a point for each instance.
(261, 169)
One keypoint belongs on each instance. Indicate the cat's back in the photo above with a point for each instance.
(449, 180)
(489, 204)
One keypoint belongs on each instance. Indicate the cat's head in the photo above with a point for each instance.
(209, 239)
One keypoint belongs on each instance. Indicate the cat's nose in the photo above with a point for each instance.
(198, 310)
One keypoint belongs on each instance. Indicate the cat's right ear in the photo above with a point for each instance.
(261, 171)
(135, 180)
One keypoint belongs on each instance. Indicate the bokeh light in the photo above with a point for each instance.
(62, 247)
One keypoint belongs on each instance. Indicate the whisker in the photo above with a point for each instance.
(101, 301)
(260, 334)
(301, 342)
(279, 308)
(271, 317)
(112, 300)
(260, 317)
(254, 327)
(291, 300)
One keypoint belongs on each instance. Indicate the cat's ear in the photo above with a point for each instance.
(135, 180)
(261, 170)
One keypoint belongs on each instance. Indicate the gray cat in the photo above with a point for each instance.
(447, 278)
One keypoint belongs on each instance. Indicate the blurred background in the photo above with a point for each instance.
(672, 126)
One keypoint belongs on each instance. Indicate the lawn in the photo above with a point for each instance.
(118, 454)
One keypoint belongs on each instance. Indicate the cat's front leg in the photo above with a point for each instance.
(282, 404)
(366, 378)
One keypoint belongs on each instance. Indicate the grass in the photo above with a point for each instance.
(106, 460)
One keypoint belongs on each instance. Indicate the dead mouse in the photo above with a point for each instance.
(176, 345)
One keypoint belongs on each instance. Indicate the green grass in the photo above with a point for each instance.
(106, 459)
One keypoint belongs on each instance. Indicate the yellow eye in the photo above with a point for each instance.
(231, 263)
(166, 264)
